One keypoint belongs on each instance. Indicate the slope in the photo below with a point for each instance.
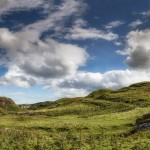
(7, 104)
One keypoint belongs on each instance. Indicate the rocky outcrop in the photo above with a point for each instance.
(143, 126)
(6, 101)
(7, 104)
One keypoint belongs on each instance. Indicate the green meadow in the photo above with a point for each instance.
(104, 120)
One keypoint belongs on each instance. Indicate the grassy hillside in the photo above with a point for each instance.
(103, 120)
(99, 102)
(136, 94)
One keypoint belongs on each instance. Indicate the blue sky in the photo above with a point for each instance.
(51, 49)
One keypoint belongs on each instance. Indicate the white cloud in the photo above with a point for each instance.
(146, 13)
(120, 78)
(135, 23)
(81, 31)
(69, 92)
(55, 20)
(85, 82)
(32, 56)
(47, 62)
(7, 6)
(17, 78)
(138, 49)
(114, 24)
(79, 80)
(118, 43)
(30, 59)
(78, 33)
(80, 23)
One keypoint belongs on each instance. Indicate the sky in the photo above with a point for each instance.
(50, 49)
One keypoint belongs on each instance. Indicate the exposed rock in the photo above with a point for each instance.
(6, 101)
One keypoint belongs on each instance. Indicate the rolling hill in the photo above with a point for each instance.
(105, 119)
(136, 94)
(100, 102)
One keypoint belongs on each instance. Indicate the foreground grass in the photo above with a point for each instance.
(68, 132)
(33, 139)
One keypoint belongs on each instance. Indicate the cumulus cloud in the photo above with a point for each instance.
(30, 58)
(139, 58)
(17, 78)
(80, 80)
(85, 82)
(138, 49)
(136, 23)
(81, 83)
(47, 59)
(69, 92)
(114, 24)
(34, 61)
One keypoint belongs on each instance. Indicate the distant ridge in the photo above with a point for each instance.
(135, 95)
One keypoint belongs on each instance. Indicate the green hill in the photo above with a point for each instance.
(103, 120)
(136, 94)
(99, 102)
(58, 103)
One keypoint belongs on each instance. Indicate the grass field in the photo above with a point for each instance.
(104, 120)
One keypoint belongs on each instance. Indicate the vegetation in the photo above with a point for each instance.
(7, 104)
(104, 120)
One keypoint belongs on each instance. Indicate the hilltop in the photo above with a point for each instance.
(7, 104)
(136, 95)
